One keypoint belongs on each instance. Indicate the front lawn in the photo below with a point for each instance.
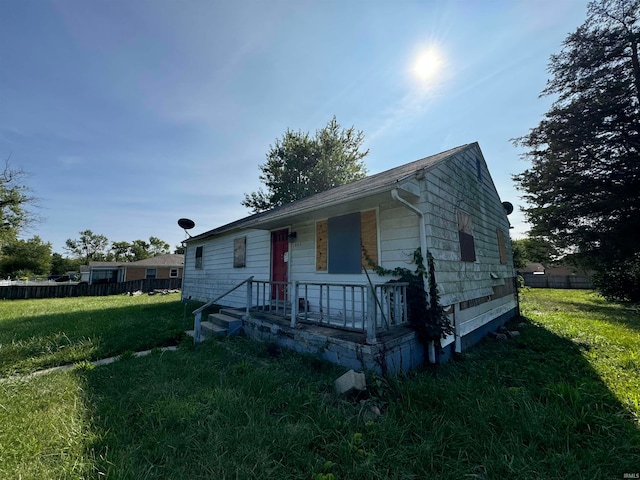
(41, 333)
(559, 401)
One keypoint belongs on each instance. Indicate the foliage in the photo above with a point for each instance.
(299, 166)
(533, 249)
(584, 179)
(426, 315)
(94, 247)
(89, 247)
(15, 200)
(620, 281)
(22, 256)
(61, 265)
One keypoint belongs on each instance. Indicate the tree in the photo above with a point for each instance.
(298, 165)
(26, 257)
(15, 200)
(158, 247)
(61, 265)
(583, 183)
(90, 246)
(533, 249)
(121, 251)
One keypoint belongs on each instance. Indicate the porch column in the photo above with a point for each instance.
(371, 316)
(294, 304)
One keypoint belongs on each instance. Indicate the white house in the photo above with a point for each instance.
(306, 262)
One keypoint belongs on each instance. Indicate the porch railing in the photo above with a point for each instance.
(368, 308)
(359, 307)
(197, 313)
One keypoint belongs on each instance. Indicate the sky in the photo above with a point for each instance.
(130, 114)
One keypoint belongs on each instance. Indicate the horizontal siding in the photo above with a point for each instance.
(454, 186)
(218, 274)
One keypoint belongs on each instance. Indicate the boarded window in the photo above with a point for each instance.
(502, 247)
(341, 242)
(344, 244)
(199, 257)
(240, 252)
(465, 235)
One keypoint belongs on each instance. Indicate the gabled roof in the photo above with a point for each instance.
(365, 187)
(168, 260)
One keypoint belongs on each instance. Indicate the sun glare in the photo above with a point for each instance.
(427, 65)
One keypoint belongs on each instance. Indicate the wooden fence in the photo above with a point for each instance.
(557, 281)
(15, 292)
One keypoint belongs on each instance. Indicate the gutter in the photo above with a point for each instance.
(423, 248)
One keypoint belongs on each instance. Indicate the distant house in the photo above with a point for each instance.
(308, 264)
(158, 267)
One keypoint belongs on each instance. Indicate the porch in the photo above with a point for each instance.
(359, 326)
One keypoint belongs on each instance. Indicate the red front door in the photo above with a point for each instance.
(279, 251)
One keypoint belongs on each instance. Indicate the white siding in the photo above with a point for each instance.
(218, 274)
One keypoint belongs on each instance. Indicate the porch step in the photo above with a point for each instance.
(225, 322)
(209, 329)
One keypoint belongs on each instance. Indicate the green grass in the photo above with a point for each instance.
(36, 334)
(559, 401)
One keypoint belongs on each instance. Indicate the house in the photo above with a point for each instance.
(300, 275)
(158, 267)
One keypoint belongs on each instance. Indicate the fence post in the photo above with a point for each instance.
(371, 319)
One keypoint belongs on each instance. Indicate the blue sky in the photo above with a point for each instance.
(131, 114)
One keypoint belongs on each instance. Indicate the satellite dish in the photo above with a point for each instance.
(508, 207)
(186, 224)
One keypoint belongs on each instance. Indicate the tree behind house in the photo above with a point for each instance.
(299, 165)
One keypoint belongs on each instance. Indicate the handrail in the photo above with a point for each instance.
(208, 304)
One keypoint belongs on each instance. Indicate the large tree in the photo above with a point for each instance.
(15, 203)
(583, 183)
(26, 257)
(299, 165)
(90, 246)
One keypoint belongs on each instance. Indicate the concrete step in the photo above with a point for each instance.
(234, 312)
(209, 329)
(231, 325)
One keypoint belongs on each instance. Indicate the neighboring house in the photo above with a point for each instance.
(556, 275)
(160, 267)
(306, 261)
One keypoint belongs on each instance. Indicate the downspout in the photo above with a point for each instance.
(423, 248)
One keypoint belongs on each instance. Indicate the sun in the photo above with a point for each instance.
(427, 65)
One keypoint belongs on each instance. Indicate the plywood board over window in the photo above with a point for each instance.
(369, 236)
(341, 242)
(240, 252)
(502, 247)
(465, 235)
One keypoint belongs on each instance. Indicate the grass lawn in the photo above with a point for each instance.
(41, 333)
(559, 401)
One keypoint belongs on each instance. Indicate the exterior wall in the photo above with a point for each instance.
(477, 291)
(218, 274)
(140, 273)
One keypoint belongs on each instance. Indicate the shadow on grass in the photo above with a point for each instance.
(44, 340)
(532, 407)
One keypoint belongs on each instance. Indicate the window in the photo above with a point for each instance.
(341, 242)
(465, 235)
(151, 273)
(502, 247)
(240, 252)
(199, 257)
(173, 273)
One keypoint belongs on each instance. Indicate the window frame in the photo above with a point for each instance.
(198, 257)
